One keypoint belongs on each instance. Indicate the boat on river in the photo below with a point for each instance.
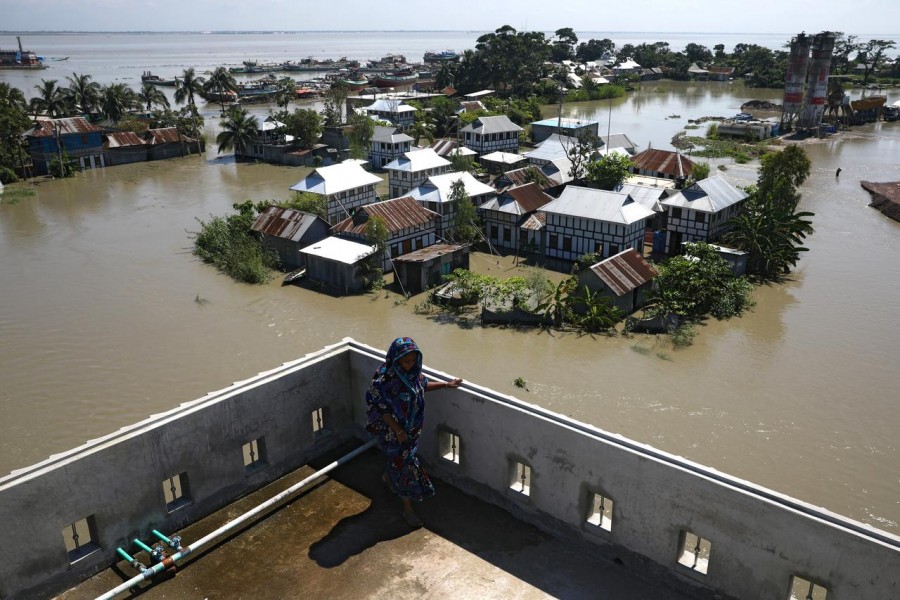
(148, 77)
(21, 59)
(441, 57)
(387, 80)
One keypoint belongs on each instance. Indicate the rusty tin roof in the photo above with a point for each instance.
(398, 214)
(284, 223)
(69, 126)
(625, 271)
(663, 161)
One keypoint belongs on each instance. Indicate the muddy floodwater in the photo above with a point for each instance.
(106, 317)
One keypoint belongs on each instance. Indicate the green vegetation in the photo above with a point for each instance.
(739, 150)
(14, 196)
(13, 121)
(238, 131)
(466, 224)
(608, 172)
(305, 124)
(219, 85)
(770, 228)
(307, 202)
(236, 250)
(520, 383)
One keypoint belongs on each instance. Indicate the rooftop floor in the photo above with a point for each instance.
(344, 538)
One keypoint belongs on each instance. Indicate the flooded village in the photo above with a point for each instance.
(539, 208)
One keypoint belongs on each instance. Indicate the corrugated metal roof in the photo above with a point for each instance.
(625, 271)
(398, 214)
(709, 195)
(505, 158)
(165, 135)
(390, 135)
(428, 253)
(534, 222)
(335, 179)
(567, 123)
(645, 195)
(121, 139)
(493, 124)
(618, 140)
(529, 196)
(284, 223)
(45, 127)
(663, 161)
(418, 160)
(340, 250)
(525, 175)
(447, 148)
(600, 205)
(387, 105)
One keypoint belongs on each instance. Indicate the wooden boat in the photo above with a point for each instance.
(294, 275)
(441, 57)
(388, 80)
(353, 84)
(148, 77)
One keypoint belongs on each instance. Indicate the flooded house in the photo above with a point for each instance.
(286, 231)
(410, 226)
(565, 126)
(339, 264)
(504, 215)
(345, 187)
(435, 195)
(625, 280)
(387, 145)
(425, 268)
(664, 164)
(701, 212)
(73, 137)
(491, 134)
(413, 168)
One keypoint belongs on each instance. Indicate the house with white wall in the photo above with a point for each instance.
(387, 145)
(504, 215)
(492, 134)
(394, 111)
(412, 169)
(587, 220)
(345, 186)
(435, 195)
(701, 212)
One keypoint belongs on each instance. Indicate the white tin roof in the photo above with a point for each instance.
(644, 195)
(389, 106)
(506, 158)
(418, 160)
(338, 178)
(709, 195)
(339, 249)
(437, 187)
(600, 205)
(493, 124)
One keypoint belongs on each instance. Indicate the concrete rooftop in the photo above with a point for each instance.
(344, 538)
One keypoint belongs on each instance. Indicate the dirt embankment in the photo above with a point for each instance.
(885, 197)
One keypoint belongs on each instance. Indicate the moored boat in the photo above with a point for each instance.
(148, 77)
(441, 57)
(389, 80)
(21, 59)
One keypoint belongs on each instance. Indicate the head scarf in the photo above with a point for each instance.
(400, 347)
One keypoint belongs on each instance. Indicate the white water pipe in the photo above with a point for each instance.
(171, 560)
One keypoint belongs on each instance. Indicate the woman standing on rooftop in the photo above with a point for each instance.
(395, 404)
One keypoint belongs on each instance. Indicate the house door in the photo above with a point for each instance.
(674, 243)
(407, 246)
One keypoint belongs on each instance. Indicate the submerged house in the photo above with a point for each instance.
(425, 268)
(345, 186)
(664, 164)
(492, 134)
(701, 212)
(74, 137)
(124, 147)
(410, 226)
(625, 279)
(339, 264)
(586, 220)
(413, 168)
(387, 145)
(435, 195)
(168, 142)
(504, 216)
(565, 126)
(286, 231)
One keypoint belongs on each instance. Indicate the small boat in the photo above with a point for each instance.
(294, 275)
(441, 57)
(148, 77)
(389, 80)
(61, 59)
(354, 84)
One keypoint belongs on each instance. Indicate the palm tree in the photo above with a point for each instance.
(187, 87)
(220, 85)
(84, 94)
(151, 95)
(50, 99)
(238, 131)
(772, 235)
(116, 100)
(12, 96)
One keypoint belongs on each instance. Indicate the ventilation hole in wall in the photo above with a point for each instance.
(801, 589)
(694, 552)
(600, 512)
(448, 446)
(521, 478)
(254, 454)
(319, 423)
(80, 538)
(175, 490)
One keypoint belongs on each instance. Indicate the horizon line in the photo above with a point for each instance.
(240, 31)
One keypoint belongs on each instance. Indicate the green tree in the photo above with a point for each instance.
(362, 128)
(335, 99)
(844, 48)
(304, 124)
(594, 49)
(609, 171)
(151, 96)
(873, 54)
(239, 130)
(286, 90)
(13, 122)
(591, 311)
(116, 99)
(466, 225)
(563, 46)
(377, 234)
(84, 94)
(698, 173)
(308, 202)
(221, 84)
(697, 284)
(187, 87)
(769, 227)
(50, 99)
(695, 53)
(234, 248)
(581, 150)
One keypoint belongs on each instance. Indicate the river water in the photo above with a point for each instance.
(106, 317)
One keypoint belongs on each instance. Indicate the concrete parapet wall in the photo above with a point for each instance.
(118, 480)
(759, 539)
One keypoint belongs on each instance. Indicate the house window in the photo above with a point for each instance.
(676, 212)
(567, 244)
(449, 446)
(507, 234)
(520, 478)
(802, 589)
(175, 491)
(694, 552)
(495, 233)
(600, 512)
(613, 249)
(554, 242)
(598, 247)
(253, 454)
(699, 217)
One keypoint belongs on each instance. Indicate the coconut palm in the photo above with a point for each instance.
(188, 86)
(50, 99)
(116, 100)
(12, 97)
(151, 96)
(220, 85)
(238, 131)
(83, 93)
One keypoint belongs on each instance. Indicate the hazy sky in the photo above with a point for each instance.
(866, 17)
